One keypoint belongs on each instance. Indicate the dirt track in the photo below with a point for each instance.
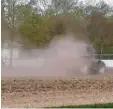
(45, 92)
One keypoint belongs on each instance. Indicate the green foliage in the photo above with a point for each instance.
(38, 26)
(36, 29)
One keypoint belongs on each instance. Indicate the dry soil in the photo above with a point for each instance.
(40, 91)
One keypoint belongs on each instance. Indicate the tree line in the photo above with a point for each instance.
(39, 22)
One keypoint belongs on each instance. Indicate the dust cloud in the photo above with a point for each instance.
(63, 57)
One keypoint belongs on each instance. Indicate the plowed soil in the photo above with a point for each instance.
(23, 92)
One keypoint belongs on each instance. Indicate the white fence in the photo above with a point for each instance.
(109, 63)
(107, 59)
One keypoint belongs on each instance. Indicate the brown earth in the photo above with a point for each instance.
(19, 92)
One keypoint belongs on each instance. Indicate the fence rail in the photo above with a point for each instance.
(104, 56)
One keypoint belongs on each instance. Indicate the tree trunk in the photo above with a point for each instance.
(102, 46)
(11, 55)
(12, 36)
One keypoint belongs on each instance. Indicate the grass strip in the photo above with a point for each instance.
(105, 105)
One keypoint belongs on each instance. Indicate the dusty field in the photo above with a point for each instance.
(45, 92)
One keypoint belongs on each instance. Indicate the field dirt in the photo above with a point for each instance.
(23, 92)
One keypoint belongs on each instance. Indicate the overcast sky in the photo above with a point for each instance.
(107, 1)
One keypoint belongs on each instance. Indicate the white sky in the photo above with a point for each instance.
(107, 1)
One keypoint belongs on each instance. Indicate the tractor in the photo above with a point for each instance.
(93, 65)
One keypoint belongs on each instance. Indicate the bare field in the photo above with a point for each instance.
(56, 91)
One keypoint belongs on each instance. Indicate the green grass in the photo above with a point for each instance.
(106, 105)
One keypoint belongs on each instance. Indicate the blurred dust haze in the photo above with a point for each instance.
(63, 57)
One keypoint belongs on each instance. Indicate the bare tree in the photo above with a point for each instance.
(64, 6)
(9, 15)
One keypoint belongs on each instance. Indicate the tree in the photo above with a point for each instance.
(9, 16)
(63, 6)
(39, 22)
(100, 30)
(40, 6)
(103, 7)
(38, 34)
